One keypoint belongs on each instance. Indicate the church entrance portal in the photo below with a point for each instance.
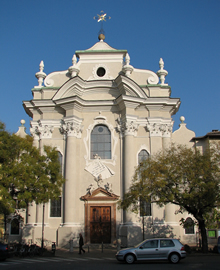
(100, 224)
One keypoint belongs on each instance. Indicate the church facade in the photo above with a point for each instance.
(104, 116)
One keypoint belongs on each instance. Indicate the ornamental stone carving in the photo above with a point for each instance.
(167, 129)
(42, 130)
(160, 129)
(127, 68)
(71, 128)
(127, 127)
(155, 129)
(40, 75)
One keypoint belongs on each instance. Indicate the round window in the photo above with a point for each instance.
(101, 72)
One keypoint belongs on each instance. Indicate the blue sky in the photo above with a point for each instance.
(185, 33)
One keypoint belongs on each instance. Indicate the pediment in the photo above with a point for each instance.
(78, 87)
(109, 89)
(100, 194)
(129, 87)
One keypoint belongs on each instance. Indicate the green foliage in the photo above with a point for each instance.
(181, 176)
(212, 219)
(26, 175)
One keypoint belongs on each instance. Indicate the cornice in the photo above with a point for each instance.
(156, 85)
(44, 88)
(100, 51)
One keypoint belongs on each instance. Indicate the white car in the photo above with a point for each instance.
(153, 249)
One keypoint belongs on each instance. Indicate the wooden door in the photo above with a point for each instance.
(100, 224)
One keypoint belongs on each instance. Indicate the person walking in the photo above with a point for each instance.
(81, 243)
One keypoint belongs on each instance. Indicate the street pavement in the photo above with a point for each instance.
(96, 258)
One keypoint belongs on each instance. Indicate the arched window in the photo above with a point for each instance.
(189, 226)
(101, 142)
(145, 206)
(143, 155)
(55, 205)
(15, 226)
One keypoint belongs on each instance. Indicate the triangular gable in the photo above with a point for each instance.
(100, 194)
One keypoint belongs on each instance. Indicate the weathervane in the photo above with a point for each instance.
(102, 18)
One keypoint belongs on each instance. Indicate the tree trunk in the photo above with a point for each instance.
(203, 235)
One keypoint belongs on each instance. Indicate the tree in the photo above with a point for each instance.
(26, 175)
(181, 176)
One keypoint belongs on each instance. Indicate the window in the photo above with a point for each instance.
(212, 233)
(151, 244)
(60, 159)
(101, 142)
(55, 208)
(143, 155)
(101, 72)
(15, 226)
(145, 208)
(166, 243)
(145, 205)
(189, 226)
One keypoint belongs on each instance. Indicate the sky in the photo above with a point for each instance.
(185, 33)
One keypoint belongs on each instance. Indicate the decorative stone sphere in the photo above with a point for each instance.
(182, 119)
(101, 37)
(22, 122)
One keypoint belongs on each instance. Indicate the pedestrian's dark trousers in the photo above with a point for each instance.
(81, 249)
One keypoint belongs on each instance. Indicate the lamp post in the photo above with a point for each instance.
(42, 241)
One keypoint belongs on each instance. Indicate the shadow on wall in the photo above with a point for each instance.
(27, 233)
(156, 228)
(70, 238)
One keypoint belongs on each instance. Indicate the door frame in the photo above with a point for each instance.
(100, 197)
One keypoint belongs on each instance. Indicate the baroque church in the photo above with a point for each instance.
(104, 116)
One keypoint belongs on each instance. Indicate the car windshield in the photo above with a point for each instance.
(140, 244)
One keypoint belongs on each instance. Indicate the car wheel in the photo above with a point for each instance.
(174, 258)
(129, 258)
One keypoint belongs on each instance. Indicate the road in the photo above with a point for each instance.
(206, 262)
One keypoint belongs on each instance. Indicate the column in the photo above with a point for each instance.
(166, 134)
(129, 129)
(73, 132)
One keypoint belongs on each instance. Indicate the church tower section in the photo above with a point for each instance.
(103, 116)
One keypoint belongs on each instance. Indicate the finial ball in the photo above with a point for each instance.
(101, 37)
(182, 119)
(22, 122)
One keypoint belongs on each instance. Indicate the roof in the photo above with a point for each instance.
(215, 134)
(101, 46)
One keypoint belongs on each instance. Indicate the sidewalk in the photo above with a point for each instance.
(89, 252)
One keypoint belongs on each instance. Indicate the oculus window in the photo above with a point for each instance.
(101, 72)
(101, 142)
